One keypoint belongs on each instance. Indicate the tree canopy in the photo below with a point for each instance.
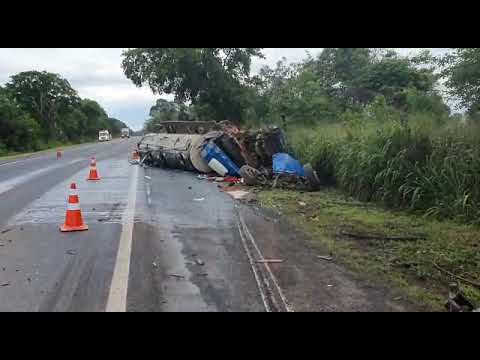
(203, 76)
(41, 108)
(461, 68)
(321, 88)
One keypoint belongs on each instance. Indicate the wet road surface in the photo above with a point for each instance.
(158, 240)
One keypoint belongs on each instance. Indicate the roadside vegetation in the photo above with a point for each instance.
(394, 139)
(372, 122)
(417, 256)
(40, 110)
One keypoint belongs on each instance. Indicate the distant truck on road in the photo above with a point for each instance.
(125, 133)
(104, 135)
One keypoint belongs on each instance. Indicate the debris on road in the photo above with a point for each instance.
(5, 284)
(457, 301)
(199, 262)
(327, 258)
(148, 177)
(199, 199)
(71, 252)
(237, 194)
(285, 164)
(268, 261)
(253, 157)
(5, 231)
(177, 276)
(154, 264)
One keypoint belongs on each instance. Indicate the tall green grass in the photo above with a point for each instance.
(414, 162)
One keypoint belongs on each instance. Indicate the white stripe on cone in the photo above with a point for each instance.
(73, 206)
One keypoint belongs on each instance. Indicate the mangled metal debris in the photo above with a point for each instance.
(259, 157)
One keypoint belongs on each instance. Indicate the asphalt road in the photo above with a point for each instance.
(158, 240)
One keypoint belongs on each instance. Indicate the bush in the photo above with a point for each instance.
(412, 164)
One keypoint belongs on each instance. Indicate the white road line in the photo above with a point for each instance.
(20, 180)
(149, 191)
(117, 297)
(12, 162)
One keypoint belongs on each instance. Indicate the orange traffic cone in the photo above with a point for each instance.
(73, 219)
(93, 170)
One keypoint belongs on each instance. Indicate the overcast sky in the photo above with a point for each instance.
(96, 74)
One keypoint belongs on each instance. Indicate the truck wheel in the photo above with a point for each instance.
(252, 176)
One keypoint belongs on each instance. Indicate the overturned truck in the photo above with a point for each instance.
(222, 148)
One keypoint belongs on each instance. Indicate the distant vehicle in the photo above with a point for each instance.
(125, 133)
(104, 135)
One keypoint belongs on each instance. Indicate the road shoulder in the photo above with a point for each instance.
(396, 250)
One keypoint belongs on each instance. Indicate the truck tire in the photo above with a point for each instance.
(252, 176)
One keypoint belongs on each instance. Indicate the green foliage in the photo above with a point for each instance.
(165, 110)
(115, 126)
(45, 96)
(213, 76)
(18, 130)
(461, 68)
(415, 165)
(40, 109)
(407, 265)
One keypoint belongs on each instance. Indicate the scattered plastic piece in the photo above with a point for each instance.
(285, 164)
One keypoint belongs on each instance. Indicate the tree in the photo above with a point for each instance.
(341, 67)
(18, 131)
(357, 76)
(461, 68)
(299, 97)
(96, 117)
(74, 125)
(393, 74)
(213, 76)
(165, 110)
(115, 126)
(45, 96)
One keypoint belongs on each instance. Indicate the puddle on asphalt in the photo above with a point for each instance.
(103, 201)
(181, 294)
